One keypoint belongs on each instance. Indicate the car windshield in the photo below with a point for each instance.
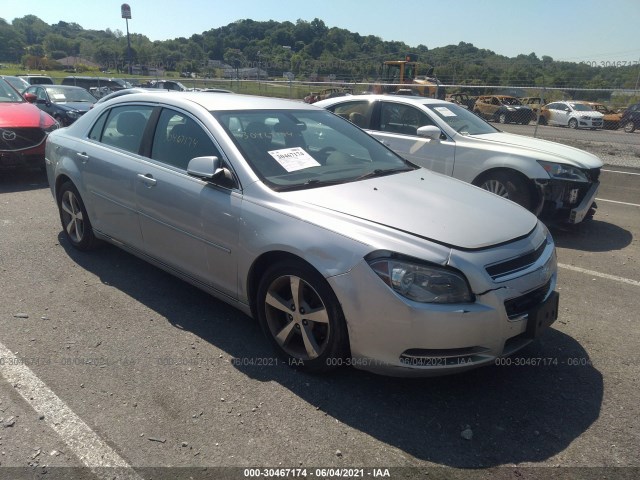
(62, 95)
(8, 94)
(296, 149)
(460, 119)
(580, 107)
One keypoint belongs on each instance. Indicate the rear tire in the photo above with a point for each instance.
(74, 218)
(508, 185)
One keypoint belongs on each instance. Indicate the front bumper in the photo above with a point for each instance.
(32, 158)
(576, 215)
(392, 335)
(568, 201)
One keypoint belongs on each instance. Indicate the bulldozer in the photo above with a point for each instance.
(401, 77)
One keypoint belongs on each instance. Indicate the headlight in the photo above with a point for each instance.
(73, 114)
(511, 109)
(422, 283)
(561, 171)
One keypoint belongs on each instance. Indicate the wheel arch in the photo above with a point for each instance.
(268, 259)
(60, 179)
(260, 266)
(534, 192)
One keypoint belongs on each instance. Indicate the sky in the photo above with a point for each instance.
(569, 30)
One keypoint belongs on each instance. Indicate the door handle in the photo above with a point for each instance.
(83, 157)
(147, 179)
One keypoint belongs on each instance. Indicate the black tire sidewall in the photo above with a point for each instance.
(337, 346)
(516, 186)
(88, 239)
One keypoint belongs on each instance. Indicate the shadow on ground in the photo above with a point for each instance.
(526, 411)
(592, 236)
(18, 180)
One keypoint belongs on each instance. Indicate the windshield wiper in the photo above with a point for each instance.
(378, 172)
(311, 183)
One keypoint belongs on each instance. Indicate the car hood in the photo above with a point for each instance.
(559, 152)
(427, 205)
(19, 115)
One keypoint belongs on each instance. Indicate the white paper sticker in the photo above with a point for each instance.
(58, 96)
(445, 112)
(293, 159)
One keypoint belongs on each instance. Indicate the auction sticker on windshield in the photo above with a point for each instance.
(293, 159)
(444, 111)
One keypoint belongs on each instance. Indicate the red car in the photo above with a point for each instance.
(23, 130)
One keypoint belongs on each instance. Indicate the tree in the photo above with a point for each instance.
(235, 58)
(11, 43)
(32, 29)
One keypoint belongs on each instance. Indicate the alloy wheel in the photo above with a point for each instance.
(72, 217)
(297, 317)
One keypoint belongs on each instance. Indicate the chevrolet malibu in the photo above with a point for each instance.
(556, 182)
(343, 251)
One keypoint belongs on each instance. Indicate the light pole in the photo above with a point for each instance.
(125, 10)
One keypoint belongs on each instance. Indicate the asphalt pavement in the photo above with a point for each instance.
(111, 368)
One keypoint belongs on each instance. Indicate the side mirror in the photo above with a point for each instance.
(30, 97)
(429, 131)
(211, 170)
(206, 168)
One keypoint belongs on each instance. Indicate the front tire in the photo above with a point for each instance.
(508, 185)
(502, 118)
(73, 216)
(573, 123)
(301, 316)
(629, 127)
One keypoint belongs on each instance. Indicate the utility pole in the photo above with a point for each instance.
(125, 10)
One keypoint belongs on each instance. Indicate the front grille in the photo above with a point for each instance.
(514, 265)
(523, 304)
(14, 139)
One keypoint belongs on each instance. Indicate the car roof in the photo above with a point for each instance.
(217, 100)
(62, 87)
(396, 98)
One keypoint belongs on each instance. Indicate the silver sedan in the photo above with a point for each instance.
(343, 251)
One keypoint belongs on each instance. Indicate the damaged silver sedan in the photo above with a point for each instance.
(342, 250)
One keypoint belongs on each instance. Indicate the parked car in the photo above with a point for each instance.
(534, 103)
(327, 93)
(97, 86)
(167, 85)
(462, 99)
(571, 114)
(65, 104)
(23, 130)
(343, 251)
(557, 182)
(37, 79)
(630, 119)
(19, 83)
(610, 118)
(503, 109)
